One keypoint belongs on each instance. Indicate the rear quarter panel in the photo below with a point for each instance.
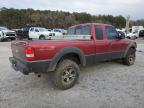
(48, 49)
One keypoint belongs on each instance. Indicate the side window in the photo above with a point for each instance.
(36, 30)
(111, 33)
(71, 31)
(99, 33)
(32, 29)
(86, 30)
(83, 30)
(78, 31)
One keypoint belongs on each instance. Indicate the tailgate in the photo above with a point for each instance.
(18, 49)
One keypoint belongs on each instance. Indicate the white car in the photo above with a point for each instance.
(41, 33)
(6, 34)
(133, 35)
(129, 35)
(63, 31)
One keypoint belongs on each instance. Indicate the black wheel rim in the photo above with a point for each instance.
(68, 75)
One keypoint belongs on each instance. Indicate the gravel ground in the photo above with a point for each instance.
(104, 85)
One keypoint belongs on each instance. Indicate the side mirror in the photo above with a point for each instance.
(121, 35)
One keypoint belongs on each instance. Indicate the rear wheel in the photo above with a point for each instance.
(66, 74)
(130, 57)
(42, 37)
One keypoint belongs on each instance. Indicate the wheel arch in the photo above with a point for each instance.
(70, 53)
(131, 45)
(41, 36)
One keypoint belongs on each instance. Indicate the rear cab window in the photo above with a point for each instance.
(80, 30)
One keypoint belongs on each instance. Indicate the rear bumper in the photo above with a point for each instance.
(27, 67)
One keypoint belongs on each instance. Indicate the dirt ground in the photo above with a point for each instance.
(104, 85)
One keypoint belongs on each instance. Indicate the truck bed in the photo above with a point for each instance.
(70, 37)
(46, 49)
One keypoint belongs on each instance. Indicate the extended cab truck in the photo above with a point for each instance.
(64, 57)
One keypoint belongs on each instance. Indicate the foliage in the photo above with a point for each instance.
(137, 23)
(18, 18)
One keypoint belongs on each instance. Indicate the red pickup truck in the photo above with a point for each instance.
(64, 57)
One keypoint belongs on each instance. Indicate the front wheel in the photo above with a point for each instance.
(9, 39)
(130, 57)
(66, 74)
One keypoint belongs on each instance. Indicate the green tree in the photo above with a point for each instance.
(18, 18)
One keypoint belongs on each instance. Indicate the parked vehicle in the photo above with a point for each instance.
(64, 57)
(52, 33)
(63, 31)
(136, 34)
(36, 33)
(23, 33)
(6, 34)
(136, 28)
(128, 36)
(133, 35)
(141, 33)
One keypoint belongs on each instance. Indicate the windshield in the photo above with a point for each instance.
(42, 29)
(3, 28)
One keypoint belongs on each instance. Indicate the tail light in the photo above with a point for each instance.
(29, 53)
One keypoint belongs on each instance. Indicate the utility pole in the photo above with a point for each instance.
(127, 23)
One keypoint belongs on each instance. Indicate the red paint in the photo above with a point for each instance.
(43, 50)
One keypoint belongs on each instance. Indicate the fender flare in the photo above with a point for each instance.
(62, 53)
(131, 45)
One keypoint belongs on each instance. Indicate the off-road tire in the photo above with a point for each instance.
(66, 74)
(130, 57)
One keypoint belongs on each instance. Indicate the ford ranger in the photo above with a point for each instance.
(65, 57)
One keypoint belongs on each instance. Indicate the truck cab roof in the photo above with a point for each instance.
(102, 24)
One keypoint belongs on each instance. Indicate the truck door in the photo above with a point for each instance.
(100, 44)
(31, 32)
(37, 33)
(34, 33)
(116, 46)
